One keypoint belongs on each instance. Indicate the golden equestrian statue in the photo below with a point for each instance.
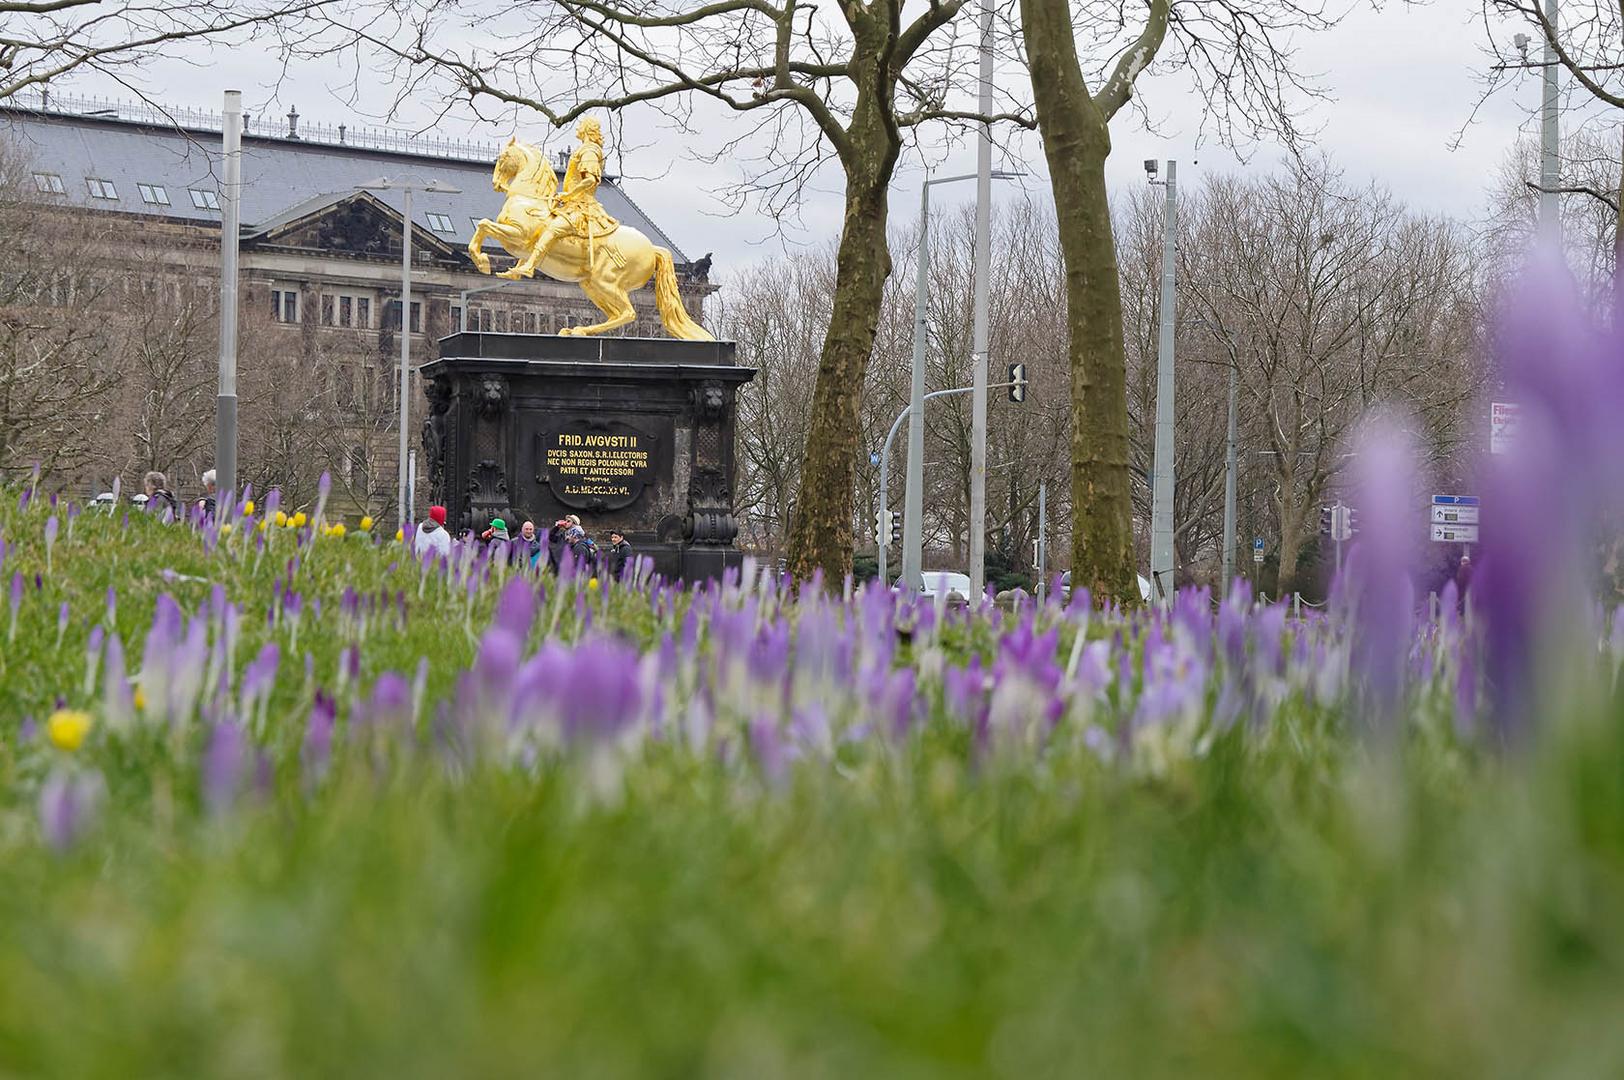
(566, 234)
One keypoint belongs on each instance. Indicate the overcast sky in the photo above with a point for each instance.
(1402, 85)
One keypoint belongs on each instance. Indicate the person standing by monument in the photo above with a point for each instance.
(432, 538)
(620, 553)
(210, 495)
(160, 500)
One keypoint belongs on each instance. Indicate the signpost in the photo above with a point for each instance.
(1454, 515)
(1454, 534)
(1455, 519)
(1257, 550)
(1505, 420)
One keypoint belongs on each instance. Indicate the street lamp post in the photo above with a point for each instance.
(225, 416)
(1161, 505)
(983, 256)
(403, 486)
(1550, 169)
(913, 497)
(1550, 162)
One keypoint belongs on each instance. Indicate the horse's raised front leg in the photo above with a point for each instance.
(476, 246)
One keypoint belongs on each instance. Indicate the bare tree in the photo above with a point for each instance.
(46, 40)
(777, 313)
(167, 374)
(1237, 57)
(1335, 301)
(54, 385)
(1589, 225)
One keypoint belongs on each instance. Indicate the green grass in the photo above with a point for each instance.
(1275, 908)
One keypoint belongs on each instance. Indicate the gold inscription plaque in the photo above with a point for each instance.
(590, 465)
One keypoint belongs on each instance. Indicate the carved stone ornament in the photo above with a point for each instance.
(710, 402)
(710, 509)
(493, 396)
(487, 495)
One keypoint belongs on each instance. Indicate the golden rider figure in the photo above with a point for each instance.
(575, 210)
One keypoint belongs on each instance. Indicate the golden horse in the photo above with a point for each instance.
(608, 268)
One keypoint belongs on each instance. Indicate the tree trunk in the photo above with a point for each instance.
(820, 535)
(1293, 537)
(1076, 143)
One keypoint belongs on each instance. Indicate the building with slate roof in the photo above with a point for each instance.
(320, 255)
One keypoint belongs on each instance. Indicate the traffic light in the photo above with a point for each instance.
(882, 534)
(1350, 522)
(896, 526)
(1328, 521)
(1017, 383)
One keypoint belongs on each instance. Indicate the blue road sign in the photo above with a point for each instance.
(1257, 545)
(1454, 500)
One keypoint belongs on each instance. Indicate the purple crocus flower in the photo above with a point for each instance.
(318, 740)
(1543, 501)
(1378, 587)
(225, 766)
(771, 752)
(16, 602)
(516, 608)
(391, 701)
(68, 802)
(119, 705)
(260, 675)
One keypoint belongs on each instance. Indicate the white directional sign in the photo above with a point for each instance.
(1454, 515)
(1505, 417)
(1454, 534)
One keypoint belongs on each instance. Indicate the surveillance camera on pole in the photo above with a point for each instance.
(1151, 166)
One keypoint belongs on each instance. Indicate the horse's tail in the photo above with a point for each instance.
(669, 300)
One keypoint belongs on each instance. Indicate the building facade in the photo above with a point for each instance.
(320, 279)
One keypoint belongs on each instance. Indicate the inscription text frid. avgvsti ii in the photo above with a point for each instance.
(586, 465)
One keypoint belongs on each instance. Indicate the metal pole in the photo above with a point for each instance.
(983, 260)
(404, 493)
(1550, 170)
(225, 415)
(913, 496)
(1043, 539)
(1229, 481)
(1161, 514)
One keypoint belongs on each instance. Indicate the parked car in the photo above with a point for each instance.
(1144, 587)
(942, 583)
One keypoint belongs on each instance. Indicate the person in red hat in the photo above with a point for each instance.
(432, 538)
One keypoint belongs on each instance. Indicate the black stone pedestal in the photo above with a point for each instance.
(627, 433)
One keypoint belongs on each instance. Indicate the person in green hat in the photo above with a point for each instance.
(497, 531)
